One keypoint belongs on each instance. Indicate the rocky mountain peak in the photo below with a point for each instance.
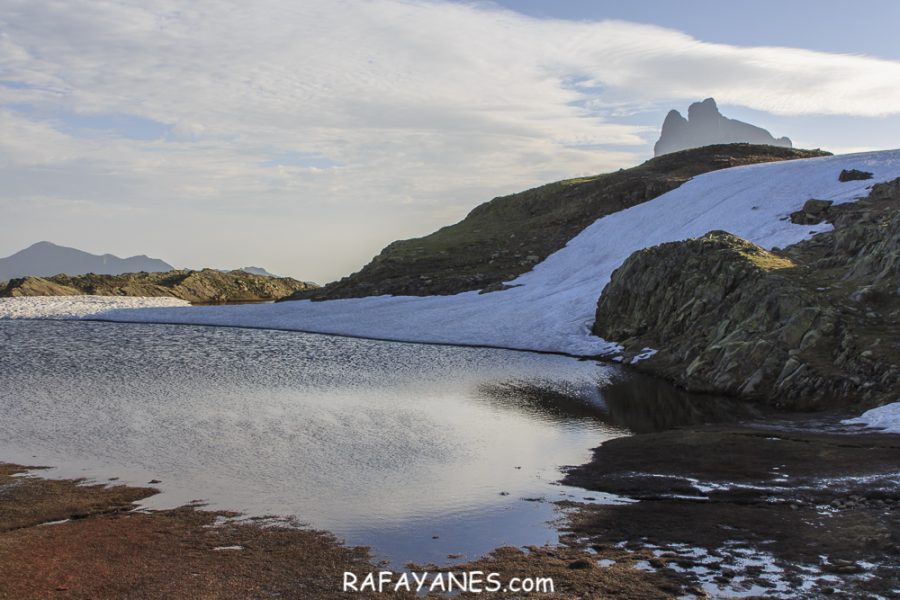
(706, 126)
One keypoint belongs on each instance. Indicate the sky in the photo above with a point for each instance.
(304, 135)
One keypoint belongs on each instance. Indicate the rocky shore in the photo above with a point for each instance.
(791, 509)
(807, 326)
(207, 286)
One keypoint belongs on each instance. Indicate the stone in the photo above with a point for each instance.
(854, 175)
(813, 212)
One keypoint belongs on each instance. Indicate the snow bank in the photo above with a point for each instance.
(552, 308)
(885, 417)
(74, 307)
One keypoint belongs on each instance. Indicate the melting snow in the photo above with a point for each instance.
(73, 307)
(885, 417)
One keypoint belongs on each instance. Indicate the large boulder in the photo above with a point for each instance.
(815, 324)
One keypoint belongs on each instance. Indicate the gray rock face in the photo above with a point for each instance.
(706, 126)
(44, 259)
(815, 324)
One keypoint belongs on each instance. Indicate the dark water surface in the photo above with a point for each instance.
(385, 444)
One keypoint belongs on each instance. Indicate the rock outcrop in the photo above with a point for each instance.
(705, 126)
(44, 258)
(208, 286)
(817, 323)
(507, 236)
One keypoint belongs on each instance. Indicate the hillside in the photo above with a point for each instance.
(44, 258)
(503, 238)
(208, 286)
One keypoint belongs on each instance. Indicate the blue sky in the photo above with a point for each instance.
(305, 136)
(858, 27)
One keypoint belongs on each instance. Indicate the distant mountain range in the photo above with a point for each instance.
(705, 126)
(45, 259)
(257, 271)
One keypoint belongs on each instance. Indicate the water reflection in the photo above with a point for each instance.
(626, 401)
(385, 444)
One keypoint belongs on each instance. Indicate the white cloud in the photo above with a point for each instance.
(423, 108)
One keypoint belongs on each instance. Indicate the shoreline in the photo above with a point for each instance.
(68, 539)
(781, 511)
(725, 510)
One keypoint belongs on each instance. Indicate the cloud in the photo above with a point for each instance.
(414, 110)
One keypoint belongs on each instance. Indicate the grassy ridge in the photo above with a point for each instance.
(507, 236)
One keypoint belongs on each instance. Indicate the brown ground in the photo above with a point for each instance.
(108, 551)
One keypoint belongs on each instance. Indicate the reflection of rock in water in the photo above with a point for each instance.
(639, 403)
(545, 400)
(645, 404)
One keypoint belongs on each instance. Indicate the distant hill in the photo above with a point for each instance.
(44, 259)
(705, 126)
(208, 286)
(507, 236)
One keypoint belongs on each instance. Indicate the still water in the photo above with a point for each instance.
(418, 451)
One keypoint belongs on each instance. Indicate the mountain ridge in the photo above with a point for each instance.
(206, 286)
(45, 258)
(505, 237)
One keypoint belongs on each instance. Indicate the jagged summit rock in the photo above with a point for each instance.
(705, 126)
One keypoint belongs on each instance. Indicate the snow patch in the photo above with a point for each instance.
(74, 307)
(643, 355)
(885, 417)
